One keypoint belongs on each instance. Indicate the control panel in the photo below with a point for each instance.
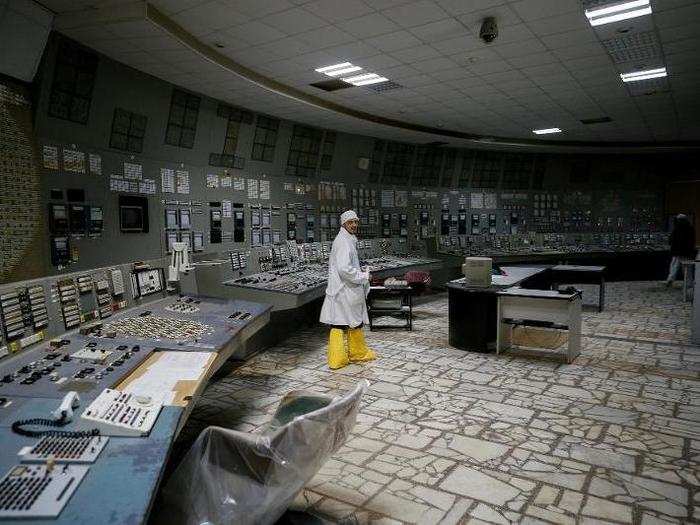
(116, 413)
(38, 491)
(76, 363)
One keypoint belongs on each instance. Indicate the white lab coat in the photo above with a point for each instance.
(348, 285)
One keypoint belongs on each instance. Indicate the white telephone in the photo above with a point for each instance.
(65, 411)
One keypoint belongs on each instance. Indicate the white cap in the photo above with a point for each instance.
(348, 216)
(681, 216)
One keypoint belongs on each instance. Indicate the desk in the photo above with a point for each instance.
(544, 308)
(472, 310)
(577, 274)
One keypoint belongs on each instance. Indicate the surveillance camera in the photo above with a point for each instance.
(489, 30)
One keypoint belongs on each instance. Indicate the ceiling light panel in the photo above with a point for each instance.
(359, 78)
(546, 131)
(326, 69)
(367, 82)
(344, 68)
(617, 12)
(646, 74)
(343, 71)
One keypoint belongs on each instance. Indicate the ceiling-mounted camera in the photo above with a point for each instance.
(489, 30)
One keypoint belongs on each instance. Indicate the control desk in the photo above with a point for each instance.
(628, 256)
(291, 275)
(552, 244)
(296, 284)
(58, 387)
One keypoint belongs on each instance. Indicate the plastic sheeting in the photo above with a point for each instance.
(231, 477)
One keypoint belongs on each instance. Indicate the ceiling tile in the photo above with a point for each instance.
(418, 80)
(325, 37)
(352, 51)
(585, 50)
(259, 8)
(399, 72)
(338, 10)
(519, 49)
(458, 7)
(295, 20)
(686, 15)
(559, 24)
(212, 15)
(570, 38)
(284, 47)
(451, 74)
(434, 64)
(255, 33)
(369, 25)
(505, 76)
(492, 66)
(380, 61)
(529, 10)
(415, 13)
(415, 54)
(394, 41)
(464, 43)
(535, 59)
(440, 30)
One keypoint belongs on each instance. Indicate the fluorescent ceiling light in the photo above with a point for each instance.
(364, 79)
(644, 75)
(359, 78)
(326, 69)
(546, 131)
(343, 71)
(617, 12)
(371, 81)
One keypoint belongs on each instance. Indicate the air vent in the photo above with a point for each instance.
(599, 120)
(334, 84)
(384, 86)
(635, 47)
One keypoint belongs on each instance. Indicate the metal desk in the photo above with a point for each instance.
(472, 310)
(577, 274)
(542, 308)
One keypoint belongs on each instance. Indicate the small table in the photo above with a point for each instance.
(539, 308)
(575, 274)
(390, 301)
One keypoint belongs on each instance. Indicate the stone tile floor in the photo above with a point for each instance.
(446, 436)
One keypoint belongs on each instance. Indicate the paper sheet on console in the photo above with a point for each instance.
(161, 379)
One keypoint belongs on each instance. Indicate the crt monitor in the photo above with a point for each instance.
(131, 219)
(133, 214)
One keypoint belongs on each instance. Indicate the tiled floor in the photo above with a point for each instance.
(446, 436)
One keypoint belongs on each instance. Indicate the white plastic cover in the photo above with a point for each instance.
(232, 477)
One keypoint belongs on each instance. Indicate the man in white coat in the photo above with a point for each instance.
(344, 308)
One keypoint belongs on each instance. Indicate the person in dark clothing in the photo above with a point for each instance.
(682, 242)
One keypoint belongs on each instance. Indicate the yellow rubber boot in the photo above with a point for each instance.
(358, 349)
(337, 355)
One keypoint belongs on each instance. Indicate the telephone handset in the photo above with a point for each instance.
(65, 411)
(60, 417)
